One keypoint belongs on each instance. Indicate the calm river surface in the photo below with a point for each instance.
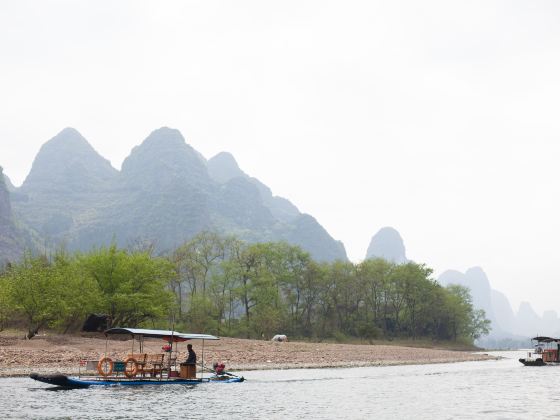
(502, 389)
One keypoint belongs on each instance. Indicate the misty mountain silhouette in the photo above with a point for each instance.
(11, 241)
(505, 323)
(166, 192)
(68, 162)
(388, 244)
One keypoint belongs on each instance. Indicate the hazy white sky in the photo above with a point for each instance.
(440, 118)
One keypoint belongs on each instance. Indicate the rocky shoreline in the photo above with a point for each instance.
(62, 353)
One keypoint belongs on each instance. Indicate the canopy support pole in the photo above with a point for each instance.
(202, 371)
(170, 353)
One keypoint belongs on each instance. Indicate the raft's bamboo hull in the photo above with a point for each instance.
(64, 381)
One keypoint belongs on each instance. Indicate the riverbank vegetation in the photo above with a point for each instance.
(228, 287)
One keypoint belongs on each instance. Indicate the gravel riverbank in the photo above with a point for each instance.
(62, 353)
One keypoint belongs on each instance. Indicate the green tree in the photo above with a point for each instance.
(35, 289)
(479, 324)
(80, 295)
(7, 308)
(373, 277)
(202, 315)
(196, 259)
(458, 309)
(341, 299)
(312, 282)
(244, 265)
(222, 290)
(133, 286)
(418, 288)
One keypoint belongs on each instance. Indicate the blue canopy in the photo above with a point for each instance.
(160, 333)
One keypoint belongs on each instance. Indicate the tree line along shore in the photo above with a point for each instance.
(221, 285)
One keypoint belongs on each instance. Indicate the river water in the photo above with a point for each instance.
(502, 389)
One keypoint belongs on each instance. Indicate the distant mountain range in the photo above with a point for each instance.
(165, 193)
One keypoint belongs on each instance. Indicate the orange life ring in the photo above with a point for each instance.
(132, 372)
(105, 361)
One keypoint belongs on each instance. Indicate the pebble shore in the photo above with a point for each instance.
(62, 353)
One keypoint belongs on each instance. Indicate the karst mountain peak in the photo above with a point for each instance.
(165, 192)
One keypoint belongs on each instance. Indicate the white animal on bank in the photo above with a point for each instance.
(280, 338)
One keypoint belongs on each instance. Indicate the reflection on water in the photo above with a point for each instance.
(502, 389)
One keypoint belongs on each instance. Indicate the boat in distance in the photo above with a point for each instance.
(142, 368)
(544, 353)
